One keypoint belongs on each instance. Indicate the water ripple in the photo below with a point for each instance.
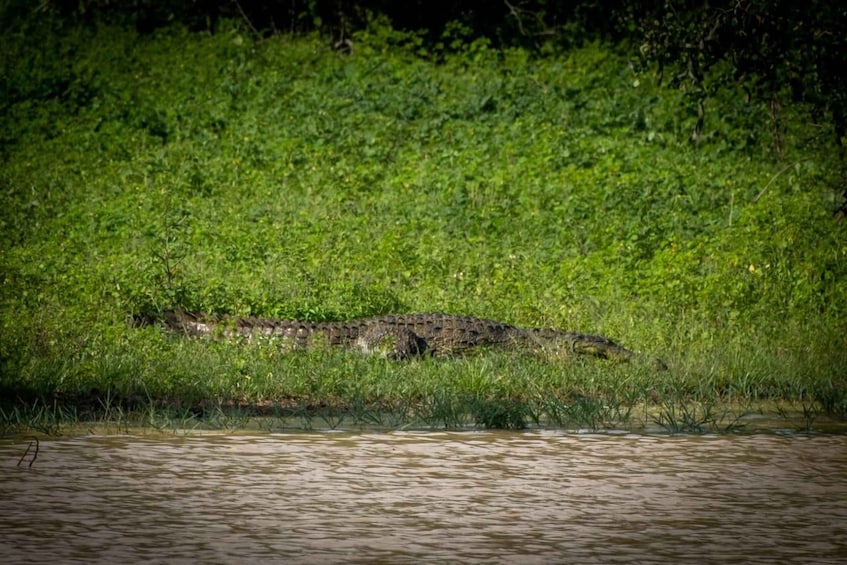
(537, 497)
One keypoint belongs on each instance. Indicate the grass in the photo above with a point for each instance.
(257, 386)
(218, 174)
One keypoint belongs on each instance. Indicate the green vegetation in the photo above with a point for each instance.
(217, 173)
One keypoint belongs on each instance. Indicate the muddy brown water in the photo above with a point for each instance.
(426, 497)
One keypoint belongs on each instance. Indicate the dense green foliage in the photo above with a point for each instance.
(281, 178)
(776, 50)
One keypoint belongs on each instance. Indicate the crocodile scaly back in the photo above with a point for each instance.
(402, 336)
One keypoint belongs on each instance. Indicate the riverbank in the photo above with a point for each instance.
(216, 173)
(258, 387)
(583, 416)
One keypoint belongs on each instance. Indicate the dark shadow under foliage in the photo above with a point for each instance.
(767, 47)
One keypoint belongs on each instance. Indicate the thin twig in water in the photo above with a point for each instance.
(34, 454)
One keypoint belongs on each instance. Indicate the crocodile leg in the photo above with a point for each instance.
(392, 342)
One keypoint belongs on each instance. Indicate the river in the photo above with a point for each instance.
(425, 497)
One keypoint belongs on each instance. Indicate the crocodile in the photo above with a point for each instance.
(402, 336)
